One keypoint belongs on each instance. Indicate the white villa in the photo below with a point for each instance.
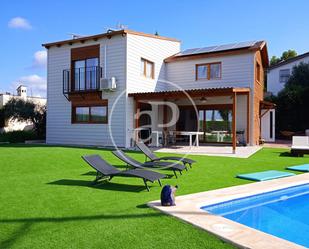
(279, 74)
(101, 87)
(13, 125)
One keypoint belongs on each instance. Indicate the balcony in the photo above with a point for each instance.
(81, 80)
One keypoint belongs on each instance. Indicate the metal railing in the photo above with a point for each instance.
(81, 79)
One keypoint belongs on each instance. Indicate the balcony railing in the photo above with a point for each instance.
(82, 79)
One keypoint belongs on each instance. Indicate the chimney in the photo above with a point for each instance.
(22, 91)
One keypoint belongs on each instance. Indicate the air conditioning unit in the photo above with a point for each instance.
(108, 85)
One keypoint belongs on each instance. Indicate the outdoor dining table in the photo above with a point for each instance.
(190, 134)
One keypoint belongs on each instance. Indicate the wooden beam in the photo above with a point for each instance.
(234, 122)
(248, 117)
(136, 117)
(164, 117)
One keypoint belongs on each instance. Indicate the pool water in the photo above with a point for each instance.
(283, 213)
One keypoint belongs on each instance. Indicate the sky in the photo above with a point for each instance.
(25, 25)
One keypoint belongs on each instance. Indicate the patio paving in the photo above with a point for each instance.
(279, 144)
(225, 151)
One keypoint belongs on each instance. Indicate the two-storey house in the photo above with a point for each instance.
(98, 86)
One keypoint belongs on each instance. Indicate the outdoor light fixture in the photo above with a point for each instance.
(203, 100)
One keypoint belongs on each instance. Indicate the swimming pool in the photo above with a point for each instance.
(283, 213)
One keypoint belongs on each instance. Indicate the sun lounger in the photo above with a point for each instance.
(149, 154)
(153, 165)
(105, 170)
(300, 145)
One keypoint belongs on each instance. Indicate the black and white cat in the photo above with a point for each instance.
(168, 195)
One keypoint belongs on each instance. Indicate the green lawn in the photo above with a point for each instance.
(47, 200)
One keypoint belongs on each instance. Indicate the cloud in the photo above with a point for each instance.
(39, 59)
(19, 23)
(36, 84)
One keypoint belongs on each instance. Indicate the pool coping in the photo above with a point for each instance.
(188, 209)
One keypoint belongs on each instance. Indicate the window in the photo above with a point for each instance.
(215, 71)
(85, 70)
(147, 68)
(86, 74)
(202, 72)
(89, 114)
(209, 71)
(258, 72)
(284, 75)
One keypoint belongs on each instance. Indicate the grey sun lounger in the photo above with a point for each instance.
(148, 153)
(153, 165)
(105, 170)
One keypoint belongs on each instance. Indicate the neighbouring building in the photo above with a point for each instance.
(12, 125)
(279, 74)
(98, 85)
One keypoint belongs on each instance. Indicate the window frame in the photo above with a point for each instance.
(89, 106)
(144, 73)
(83, 53)
(208, 65)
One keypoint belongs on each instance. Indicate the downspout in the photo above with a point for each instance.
(105, 60)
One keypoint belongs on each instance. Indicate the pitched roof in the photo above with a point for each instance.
(298, 57)
(220, 50)
(108, 34)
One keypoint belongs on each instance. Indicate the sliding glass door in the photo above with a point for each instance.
(216, 125)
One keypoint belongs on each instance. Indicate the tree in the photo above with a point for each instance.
(288, 54)
(21, 110)
(292, 111)
(274, 60)
(285, 55)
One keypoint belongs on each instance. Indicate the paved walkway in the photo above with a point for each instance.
(279, 144)
(226, 151)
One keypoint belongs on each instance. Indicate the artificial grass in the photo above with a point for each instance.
(47, 199)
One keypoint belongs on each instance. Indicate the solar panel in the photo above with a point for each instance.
(188, 51)
(245, 44)
(217, 48)
(205, 49)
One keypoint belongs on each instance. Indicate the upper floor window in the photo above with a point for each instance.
(147, 68)
(258, 72)
(85, 68)
(86, 74)
(284, 75)
(208, 71)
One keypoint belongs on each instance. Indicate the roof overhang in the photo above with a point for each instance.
(267, 105)
(108, 35)
(206, 92)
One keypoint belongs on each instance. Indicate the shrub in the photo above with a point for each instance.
(21, 110)
(18, 136)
